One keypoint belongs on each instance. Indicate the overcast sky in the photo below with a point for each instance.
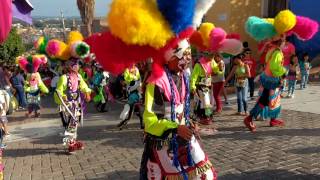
(69, 7)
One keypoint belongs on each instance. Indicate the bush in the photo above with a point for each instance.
(12, 47)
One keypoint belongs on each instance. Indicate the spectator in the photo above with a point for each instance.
(218, 83)
(292, 76)
(241, 72)
(251, 62)
(17, 81)
(305, 67)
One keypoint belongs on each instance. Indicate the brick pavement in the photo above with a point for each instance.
(292, 152)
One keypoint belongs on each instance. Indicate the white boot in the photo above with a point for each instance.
(125, 112)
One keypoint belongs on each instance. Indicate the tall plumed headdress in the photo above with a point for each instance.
(285, 23)
(214, 39)
(140, 29)
(75, 47)
(31, 64)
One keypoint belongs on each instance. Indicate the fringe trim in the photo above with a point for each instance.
(193, 173)
(265, 112)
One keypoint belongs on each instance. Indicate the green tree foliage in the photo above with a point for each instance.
(12, 47)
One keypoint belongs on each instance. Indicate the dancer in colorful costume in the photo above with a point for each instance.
(34, 84)
(68, 97)
(132, 80)
(70, 84)
(160, 30)
(209, 40)
(285, 23)
(100, 82)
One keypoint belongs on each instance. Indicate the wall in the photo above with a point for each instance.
(232, 14)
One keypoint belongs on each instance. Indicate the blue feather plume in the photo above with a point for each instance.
(179, 13)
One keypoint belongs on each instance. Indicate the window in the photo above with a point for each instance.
(270, 8)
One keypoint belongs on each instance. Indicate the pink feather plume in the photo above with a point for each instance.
(53, 48)
(217, 36)
(305, 28)
(22, 61)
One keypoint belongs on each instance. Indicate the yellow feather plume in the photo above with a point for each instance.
(284, 21)
(65, 53)
(205, 30)
(74, 36)
(139, 22)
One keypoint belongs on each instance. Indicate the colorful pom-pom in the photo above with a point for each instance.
(58, 49)
(305, 28)
(80, 49)
(22, 62)
(40, 44)
(259, 29)
(284, 21)
(205, 30)
(196, 40)
(37, 61)
(217, 36)
(139, 23)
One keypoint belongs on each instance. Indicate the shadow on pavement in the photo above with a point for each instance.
(269, 175)
(308, 150)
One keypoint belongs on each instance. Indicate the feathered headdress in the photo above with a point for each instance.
(31, 64)
(215, 39)
(56, 49)
(285, 23)
(146, 28)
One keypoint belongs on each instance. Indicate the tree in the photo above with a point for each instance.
(12, 47)
(86, 9)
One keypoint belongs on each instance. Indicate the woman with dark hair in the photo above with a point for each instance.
(241, 72)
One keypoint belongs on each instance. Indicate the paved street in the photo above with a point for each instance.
(35, 149)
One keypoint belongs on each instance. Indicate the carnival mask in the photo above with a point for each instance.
(178, 58)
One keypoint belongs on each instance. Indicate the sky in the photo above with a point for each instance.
(69, 7)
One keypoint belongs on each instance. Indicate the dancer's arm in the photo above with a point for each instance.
(153, 125)
(276, 64)
(215, 68)
(194, 76)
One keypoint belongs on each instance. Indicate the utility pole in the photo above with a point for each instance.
(63, 26)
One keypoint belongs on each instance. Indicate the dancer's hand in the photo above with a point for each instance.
(184, 132)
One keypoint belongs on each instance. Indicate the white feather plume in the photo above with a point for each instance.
(202, 8)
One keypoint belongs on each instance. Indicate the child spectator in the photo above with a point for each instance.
(305, 67)
(292, 76)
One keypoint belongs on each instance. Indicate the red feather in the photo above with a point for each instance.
(114, 55)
